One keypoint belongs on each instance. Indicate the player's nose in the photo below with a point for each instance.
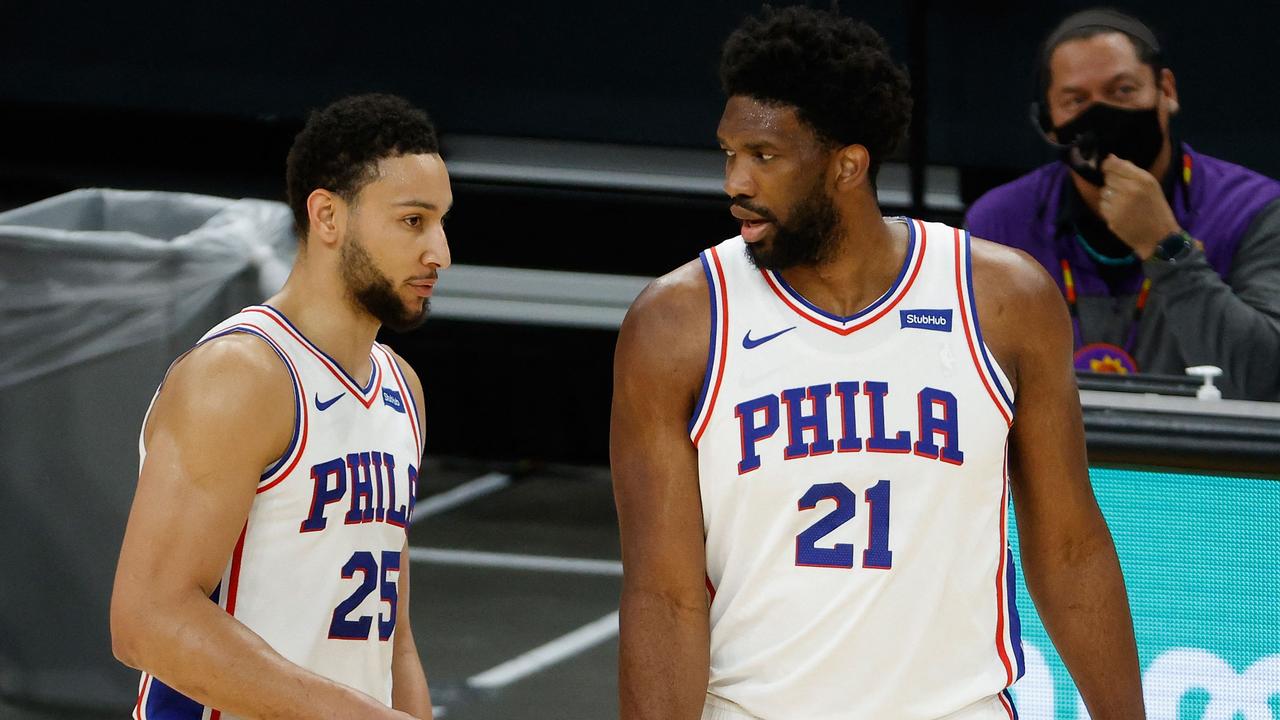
(437, 253)
(737, 179)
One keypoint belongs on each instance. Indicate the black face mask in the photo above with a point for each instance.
(1102, 130)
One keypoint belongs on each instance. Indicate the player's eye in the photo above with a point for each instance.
(767, 157)
(728, 152)
(413, 220)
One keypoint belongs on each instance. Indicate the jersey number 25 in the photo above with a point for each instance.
(344, 627)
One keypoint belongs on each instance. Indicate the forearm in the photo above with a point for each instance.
(1079, 593)
(409, 692)
(664, 658)
(198, 649)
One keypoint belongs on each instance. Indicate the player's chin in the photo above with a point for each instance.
(412, 314)
(416, 311)
(410, 319)
(761, 251)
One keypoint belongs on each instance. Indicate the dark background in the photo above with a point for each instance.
(641, 73)
(206, 97)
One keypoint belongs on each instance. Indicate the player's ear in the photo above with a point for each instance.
(322, 213)
(853, 163)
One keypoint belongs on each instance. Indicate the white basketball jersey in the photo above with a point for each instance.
(853, 483)
(316, 570)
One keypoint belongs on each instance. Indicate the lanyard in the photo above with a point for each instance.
(1069, 290)
(1069, 283)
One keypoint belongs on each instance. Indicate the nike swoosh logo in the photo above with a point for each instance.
(748, 343)
(322, 406)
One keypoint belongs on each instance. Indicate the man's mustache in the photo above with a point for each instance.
(749, 206)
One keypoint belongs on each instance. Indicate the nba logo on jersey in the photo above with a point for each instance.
(854, 495)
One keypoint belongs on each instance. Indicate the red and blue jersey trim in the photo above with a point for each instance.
(718, 346)
(916, 242)
(402, 384)
(1008, 628)
(1006, 702)
(158, 701)
(1008, 637)
(366, 395)
(1015, 623)
(233, 589)
(973, 332)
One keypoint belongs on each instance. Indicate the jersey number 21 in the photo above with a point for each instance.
(877, 554)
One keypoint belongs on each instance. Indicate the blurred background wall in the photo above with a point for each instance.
(116, 75)
(206, 97)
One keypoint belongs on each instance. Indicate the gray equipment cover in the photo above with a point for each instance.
(99, 291)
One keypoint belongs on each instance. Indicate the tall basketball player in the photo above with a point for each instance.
(264, 572)
(816, 426)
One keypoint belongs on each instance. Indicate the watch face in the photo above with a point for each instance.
(1174, 247)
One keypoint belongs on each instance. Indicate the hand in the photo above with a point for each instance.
(1132, 204)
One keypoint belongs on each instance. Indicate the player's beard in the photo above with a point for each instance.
(373, 292)
(808, 236)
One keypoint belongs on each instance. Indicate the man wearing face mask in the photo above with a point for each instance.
(1166, 257)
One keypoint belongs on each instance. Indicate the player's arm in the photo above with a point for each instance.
(658, 367)
(408, 680)
(225, 412)
(1069, 561)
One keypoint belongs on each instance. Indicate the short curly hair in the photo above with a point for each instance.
(835, 71)
(340, 146)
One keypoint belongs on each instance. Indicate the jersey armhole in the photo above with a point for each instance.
(282, 466)
(716, 346)
(992, 376)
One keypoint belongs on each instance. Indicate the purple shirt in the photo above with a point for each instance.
(1219, 306)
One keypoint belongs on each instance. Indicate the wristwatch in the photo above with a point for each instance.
(1174, 248)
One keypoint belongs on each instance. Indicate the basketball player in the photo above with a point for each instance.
(810, 430)
(264, 571)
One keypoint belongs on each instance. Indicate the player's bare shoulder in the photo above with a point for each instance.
(236, 381)
(1019, 306)
(668, 326)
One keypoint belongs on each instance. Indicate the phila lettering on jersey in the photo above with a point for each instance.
(316, 569)
(854, 495)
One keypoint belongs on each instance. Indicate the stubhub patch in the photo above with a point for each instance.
(927, 319)
(392, 399)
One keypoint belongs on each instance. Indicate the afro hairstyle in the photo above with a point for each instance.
(836, 72)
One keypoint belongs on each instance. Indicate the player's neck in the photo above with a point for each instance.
(866, 262)
(328, 319)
